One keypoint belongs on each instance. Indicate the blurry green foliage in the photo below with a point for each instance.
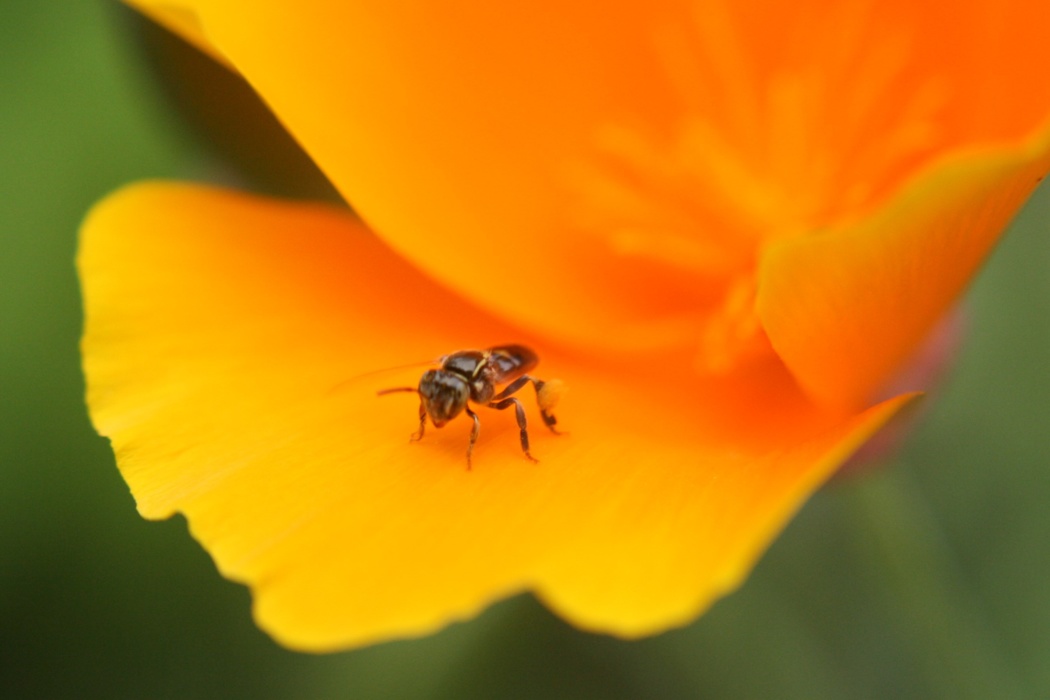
(926, 580)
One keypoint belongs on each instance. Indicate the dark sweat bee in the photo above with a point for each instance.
(473, 376)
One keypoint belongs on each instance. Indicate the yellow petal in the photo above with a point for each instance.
(226, 345)
(845, 308)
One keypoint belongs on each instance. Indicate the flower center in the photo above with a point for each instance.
(766, 142)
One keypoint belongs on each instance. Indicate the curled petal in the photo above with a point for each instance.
(846, 307)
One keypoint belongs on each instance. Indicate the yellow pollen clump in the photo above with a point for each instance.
(550, 393)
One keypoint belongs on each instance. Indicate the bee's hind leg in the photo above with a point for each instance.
(548, 418)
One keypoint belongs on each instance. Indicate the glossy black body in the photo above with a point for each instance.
(471, 375)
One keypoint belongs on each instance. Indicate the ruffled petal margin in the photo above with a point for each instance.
(230, 351)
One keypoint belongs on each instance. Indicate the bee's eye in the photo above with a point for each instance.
(444, 394)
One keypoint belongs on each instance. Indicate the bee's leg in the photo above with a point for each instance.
(512, 387)
(418, 435)
(474, 432)
(548, 418)
(520, 411)
(546, 403)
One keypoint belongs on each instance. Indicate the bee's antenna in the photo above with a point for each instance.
(385, 370)
(396, 389)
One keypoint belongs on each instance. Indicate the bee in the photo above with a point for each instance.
(473, 376)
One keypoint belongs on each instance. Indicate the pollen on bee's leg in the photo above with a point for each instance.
(550, 394)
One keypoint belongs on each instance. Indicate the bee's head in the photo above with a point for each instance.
(444, 395)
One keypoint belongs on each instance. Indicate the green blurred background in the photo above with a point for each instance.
(928, 579)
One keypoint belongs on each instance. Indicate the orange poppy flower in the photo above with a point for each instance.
(724, 226)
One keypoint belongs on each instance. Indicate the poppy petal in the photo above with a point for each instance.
(455, 159)
(844, 308)
(230, 349)
(451, 128)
